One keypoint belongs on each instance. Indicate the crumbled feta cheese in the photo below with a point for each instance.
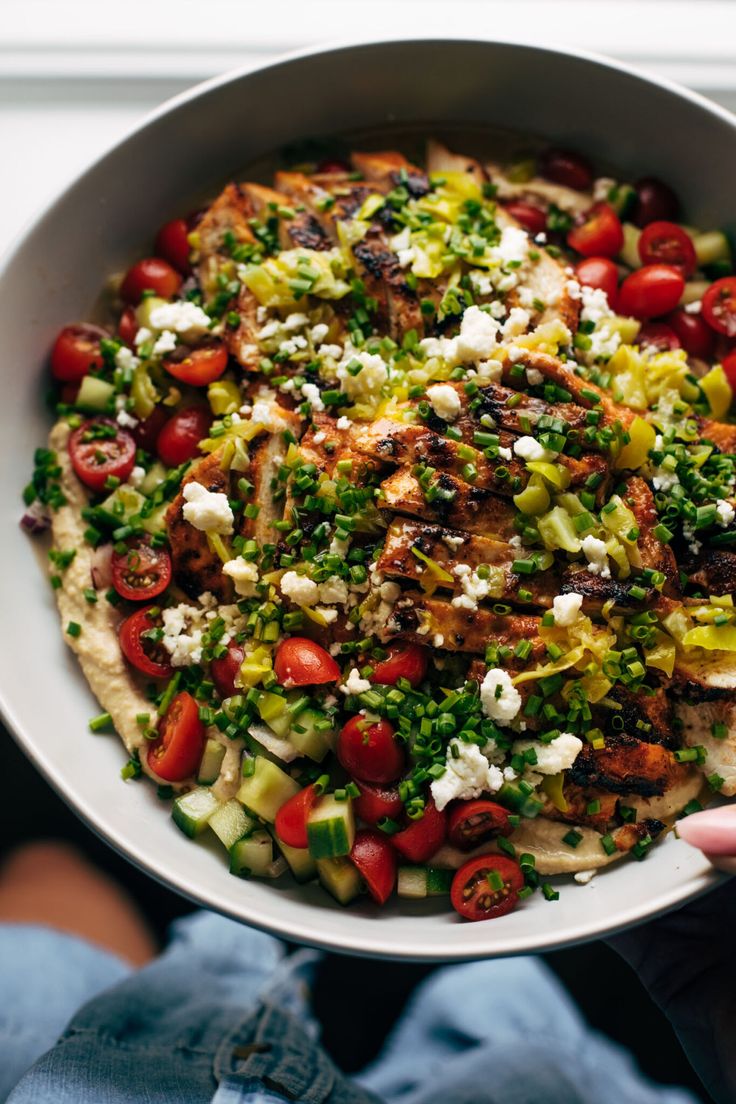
(566, 608)
(504, 453)
(296, 321)
(584, 877)
(366, 383)
(595, 553)
(513, 246)
(326, 613)
(389, 591)
(595, 304)
(311, 393)
(207, 510)
(184, 626)
(559, 755)
(478, 335)
(266, 412)
(474, 588)
(602, 188)
(143, 335)
(125, 360)
(452, 541)
(445, 401)
(438, 640)
(302, 590)
(534, 377)
(137, 476)
(354, 684)
(183, 317)
(467, 776)
(499, 697)
(694, 307)
(516, 323)
(663, 479)
(528, 448)
(319, 332)
(488, 371)
(333, 590)
(332, 352)
(343, 422)
(244, 575)
(164, 344)
(319, 437)
(725, 512)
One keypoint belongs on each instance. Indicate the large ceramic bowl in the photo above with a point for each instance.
(182, 152)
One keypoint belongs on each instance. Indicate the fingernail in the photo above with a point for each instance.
(712, 831)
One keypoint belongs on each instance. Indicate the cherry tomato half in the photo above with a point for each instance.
(650, 291)
(659, 335)
(375, 859)
(655, 202)
(728, 364)
(199, 366)
(146, 655)
(473, 822)
(719, 306)
(533, 219)
(75, 351)
(178, 439)
(224, 669)
(376, 802)
(422, 838)
(150, 274)
(486, 887)
(291, 819)
(599, 235)
(667, 243)
(172, 243)
(176, 754)
(141, 572)
(147, 431)
(566, 168)
(128, 326)
(98, 449)
(301, 662)
(407, 661)
(369, 750)
(694, 334)
(599, 272)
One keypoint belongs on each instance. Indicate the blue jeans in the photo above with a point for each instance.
(222, 1016)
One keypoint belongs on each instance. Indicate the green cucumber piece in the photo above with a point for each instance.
(331, 828)
(192, 811)
(210, 763)
(267, 789)
(155, 475)
(95, 395)
(423, 881)
(307, 738)
(145, 308)
(252, 856)
(301, 863)
(694, 291)
(123, 504)
(155, 522)
(230, 823)
(711, 246)
(629, 253)
(274, 710)
(514, 798)
(340, 878)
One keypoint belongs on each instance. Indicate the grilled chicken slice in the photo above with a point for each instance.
(538, 192)
(197, 568)
(300, 228)
(627, 765)
(389, 168)
(654, 553)
(721, 434)
(462, 630)
(470, 508)
(230, 214)
(648, 716)
(713, 571)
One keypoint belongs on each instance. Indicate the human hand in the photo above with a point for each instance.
(688, 963)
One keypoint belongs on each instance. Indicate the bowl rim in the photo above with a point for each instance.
(440, 949)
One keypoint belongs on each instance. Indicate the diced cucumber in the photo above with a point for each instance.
(711, 246)
(694, 291)
(123, 503)
(230, 823)
(155, 475)
(331, 828)
(307, 738)
(274, 710)
(513, 797)
(423, 881)
(340, 877)
(301, 863)
(260, 740)
(156, 520)
(145, 308)
(622, 198)
(267, 789)
(95, 395)
(252, 856)
(192, 811)
(210, 763)
(629, 253)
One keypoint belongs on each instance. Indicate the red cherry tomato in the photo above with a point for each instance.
(178, 439)
(473, 822)
(333, 165)
(693, 333)
(141, 572)
(667, 243)
(651, 291)
(600, 234)
(146, 655)
(369, 750)
(172, 243)
(422, 838)
(599, 272)
(728, 364)
(128, 326)
(98, 449)
(147, 431)
(407, 661)
(291, 819)
(533, 219)
(375, 859)
(658, 335)
(377, 802)
(301, 662)
(224, 670)
(76, 350)
(199, 366)
(176, 754)
(150, 274)
(719, 306)
(473, 893)
(566, 168)
(655, 202)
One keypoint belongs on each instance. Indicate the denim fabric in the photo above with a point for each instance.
(222, 1017)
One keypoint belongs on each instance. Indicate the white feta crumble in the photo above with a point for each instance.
(595, 553)
(453, 542)
(513, 246)
(528, 448)
(164, 344)
(663, 479)
(559, 755)
(207, 510)
(474, 588)
(467, 776)
(499, 697)
(266, 413)
(584, 877)
(725, 512)
(366, 383)
(343, 422)
(296, 321)
(694, 307)
(319, 437)
(142, 336)
(534, 377)
(478, 335)
(319, 332)
(602, 188)
(302, 590)
(566, 608)
(331, 352)
(574, 289)
(125, 360)
(438, 640)
(137, 476)
(445, 401)
(244, 575)
(333, 590)
(122, 417)
(183, 317)
(311, 393)
(504, 453)
(326, 613)
(516, 323)
(354, 684)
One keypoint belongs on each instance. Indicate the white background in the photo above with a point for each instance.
(74, 74)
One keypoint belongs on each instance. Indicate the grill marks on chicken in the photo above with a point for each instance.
(627, 765)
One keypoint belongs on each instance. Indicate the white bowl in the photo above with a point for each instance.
(181, 153)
